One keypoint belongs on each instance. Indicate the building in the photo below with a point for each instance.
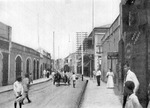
(5, 45)
(97, 34)
(128, 40)
(135, 40)
(110, 49)
(16, 59)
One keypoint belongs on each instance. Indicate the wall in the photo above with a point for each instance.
(99, 32)
(5, 38)
(110, 44)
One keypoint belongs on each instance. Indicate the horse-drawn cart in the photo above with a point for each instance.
(60, 78)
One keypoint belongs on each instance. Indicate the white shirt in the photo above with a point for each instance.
(132, 77)
(73, 77)
(98, 73)
(133, 102)
(18, 88)
(25, 83)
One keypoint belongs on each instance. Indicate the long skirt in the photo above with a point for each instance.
(110, 82)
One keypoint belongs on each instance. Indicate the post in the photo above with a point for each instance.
(111, 63)
(82, 54)
(54, 50)
(90, 69)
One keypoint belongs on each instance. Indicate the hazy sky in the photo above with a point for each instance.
(32, 18)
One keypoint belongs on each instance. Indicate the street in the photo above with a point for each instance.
(100, 97)
(47, 95)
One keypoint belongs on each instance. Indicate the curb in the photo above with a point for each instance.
(80, 98)
(30, 84)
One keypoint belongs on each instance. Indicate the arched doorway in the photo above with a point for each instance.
(34, 64)
(28, 65)
(37, 69)
(18, 66)
(1, 68)
(41, 70)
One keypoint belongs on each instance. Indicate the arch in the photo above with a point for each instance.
(28, 65)
(34, 69)
(41, 71)
(37, 69)
(18, 60)
(1, 67)
(43, 66)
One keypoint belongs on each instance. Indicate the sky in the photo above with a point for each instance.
(35, 22)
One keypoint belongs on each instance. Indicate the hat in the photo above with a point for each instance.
(129, 87)
(19, 78)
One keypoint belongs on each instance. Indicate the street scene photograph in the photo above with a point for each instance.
(74, 54)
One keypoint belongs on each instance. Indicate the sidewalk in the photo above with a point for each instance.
(10, 87)
(99, 96)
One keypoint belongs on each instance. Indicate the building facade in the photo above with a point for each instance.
(98, 33)
(110, 50)
(16, 59)
(5, 41)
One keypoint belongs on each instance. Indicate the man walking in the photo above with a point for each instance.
(74, 79)
(26, 84)
(18, 91)
(130, 76)
(98, 76)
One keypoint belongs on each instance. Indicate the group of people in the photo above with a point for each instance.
(68, 75)
(131, 86)
(46, 73)
(21, 90)
(109, 75)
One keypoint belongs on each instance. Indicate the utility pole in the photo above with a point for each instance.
(93, 35)
(93, 22)
(54, 49)
(82, 54)
(80, 37)
(38, 30)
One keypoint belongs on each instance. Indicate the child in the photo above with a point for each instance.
(74, 79)
(18, 91)
(132, 99)
(26, 84)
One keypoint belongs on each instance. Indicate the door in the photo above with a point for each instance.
(18, 66)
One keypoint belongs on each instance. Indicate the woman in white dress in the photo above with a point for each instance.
(110, 81)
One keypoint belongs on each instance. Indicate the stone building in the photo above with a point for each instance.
(16, 59)
(110, 49)
(5, 39)
(97, 34)
(135, 40)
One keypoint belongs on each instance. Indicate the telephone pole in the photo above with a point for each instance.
(80, 44)
(54, 50)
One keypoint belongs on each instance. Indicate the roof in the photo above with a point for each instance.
(104, 26)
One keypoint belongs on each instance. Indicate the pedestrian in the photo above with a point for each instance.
(132, 99)
(26, 85)
(94, 74)
(74, 79)
(110, 81)
(18, 91)
(30, 78)
(130, 76)
(53, 77)
(98, 76)
(47, 73)
(44, 73)
(68, 77)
